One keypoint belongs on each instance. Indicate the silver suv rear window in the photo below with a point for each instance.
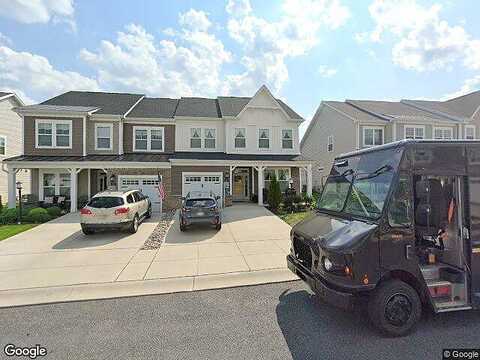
(105, 202)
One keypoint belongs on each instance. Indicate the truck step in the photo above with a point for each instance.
(446, 306)
(430, 272)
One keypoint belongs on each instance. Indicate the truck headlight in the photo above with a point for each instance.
(327, 264)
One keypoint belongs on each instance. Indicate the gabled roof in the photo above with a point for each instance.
(465, 105)
(352, 111)
(391, 110)
(232, 105)
(109, 103)
(154, 108)
(2, 94)
(198, 107)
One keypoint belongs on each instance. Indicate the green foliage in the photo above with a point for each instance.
(9, 216)
(274, 194)
(38, 215)
(54, 211)
(1, 205)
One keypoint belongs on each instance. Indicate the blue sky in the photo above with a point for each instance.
(305, 51)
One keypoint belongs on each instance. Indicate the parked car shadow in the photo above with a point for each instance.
(78, 240)
(315, 330)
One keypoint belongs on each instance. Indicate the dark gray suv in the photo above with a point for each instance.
(200, 207)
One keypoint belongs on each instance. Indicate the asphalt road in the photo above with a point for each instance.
(278, 321)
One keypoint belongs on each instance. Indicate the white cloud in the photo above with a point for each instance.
(423, 40)
(5, 40)
(268, 44)
(27, 73)
(195, 20)
(38, 11)
(189, 64)
(470, 85)
(326, 72)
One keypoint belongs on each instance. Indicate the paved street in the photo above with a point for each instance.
(277, 321)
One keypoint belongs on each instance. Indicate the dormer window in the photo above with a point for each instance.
(240, 140)
(287, 139)
(263, 138)
(196, 138)
(210, 139)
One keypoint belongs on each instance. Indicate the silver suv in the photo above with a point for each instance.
(115, 210)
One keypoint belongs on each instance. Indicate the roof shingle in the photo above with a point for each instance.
(109, 103)
(155, 108)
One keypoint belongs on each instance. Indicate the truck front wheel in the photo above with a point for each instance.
(395, 308)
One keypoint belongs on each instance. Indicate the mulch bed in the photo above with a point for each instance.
(157, 237)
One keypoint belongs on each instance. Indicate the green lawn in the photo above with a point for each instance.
(9, 230)
(294, 218)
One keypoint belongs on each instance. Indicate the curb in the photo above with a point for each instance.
(122, 289)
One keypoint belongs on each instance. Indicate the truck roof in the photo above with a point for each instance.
(403, 143)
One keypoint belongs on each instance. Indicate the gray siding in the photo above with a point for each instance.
(11, 128)
(77, 137)
(327, 122)
(169, 133)
(91, 137)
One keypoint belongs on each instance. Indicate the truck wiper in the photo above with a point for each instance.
(381, 170)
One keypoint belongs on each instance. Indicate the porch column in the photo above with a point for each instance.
(231, 179)
(260, 184)
(73, 189)
(309, 179)
(12, 188)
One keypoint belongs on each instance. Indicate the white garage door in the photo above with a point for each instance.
(204, 182)
(147, 184)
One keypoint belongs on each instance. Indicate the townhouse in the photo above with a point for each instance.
(11, 140)
(338, 127)
(80, 143)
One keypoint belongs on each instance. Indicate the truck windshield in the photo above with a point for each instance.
(361, 185)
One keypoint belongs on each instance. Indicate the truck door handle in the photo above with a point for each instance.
(408, 251)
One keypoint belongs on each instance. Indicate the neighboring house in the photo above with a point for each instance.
(80, 143)
(11, 141)
(339, 127)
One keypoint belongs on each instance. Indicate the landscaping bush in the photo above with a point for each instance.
(39, 215)
(274, 194)
(54, 211)
(8, 216)
(289, 200)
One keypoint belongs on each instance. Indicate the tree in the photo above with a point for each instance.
(274, 194)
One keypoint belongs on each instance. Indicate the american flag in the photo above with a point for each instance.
(161, 188)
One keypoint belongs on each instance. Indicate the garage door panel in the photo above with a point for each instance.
(148, 185)
(203, 182)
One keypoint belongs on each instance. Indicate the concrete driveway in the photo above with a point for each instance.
(58, 253)
(249, 249)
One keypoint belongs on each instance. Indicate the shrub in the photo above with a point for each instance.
(39, 215)
(274, 194)
(289, 200)
(9, 216)
(54, 211)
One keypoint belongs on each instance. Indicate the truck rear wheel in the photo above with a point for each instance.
(395, 308)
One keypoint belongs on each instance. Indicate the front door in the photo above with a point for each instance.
(102, 181)
(240, 186)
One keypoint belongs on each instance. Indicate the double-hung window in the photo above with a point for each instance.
(55, 183)
(148, 139)
(3, 145)
(240, 138)
(210, 139)
(372, 136)
(287, 139)
(282, 175)
(53, 133)
(470, 132)
(196, 138)
(443, 133)
(264, 138)
(103, 136)
(415, 132)
(330, 143)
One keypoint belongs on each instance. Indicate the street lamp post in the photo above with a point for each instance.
(19, 188)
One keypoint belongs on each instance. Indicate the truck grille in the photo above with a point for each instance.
(302, 252)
